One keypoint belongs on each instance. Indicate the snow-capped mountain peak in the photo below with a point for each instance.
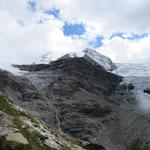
(89, 54)
(99, 59)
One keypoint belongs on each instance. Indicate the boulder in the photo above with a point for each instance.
(17, 137)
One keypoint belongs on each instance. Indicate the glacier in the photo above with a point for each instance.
(139, 76)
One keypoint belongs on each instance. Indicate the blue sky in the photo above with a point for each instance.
(97, 42)
(53, 11)
(73, 29)
(32, 5)
(31, 28)
(132, 36)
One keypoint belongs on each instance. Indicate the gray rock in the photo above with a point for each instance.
(78, 92)
(17, 137)
(23, 93)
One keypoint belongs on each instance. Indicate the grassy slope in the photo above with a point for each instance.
(33, 139)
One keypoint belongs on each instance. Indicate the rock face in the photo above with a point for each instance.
(23, 93)
(80, 98)
(78, 92)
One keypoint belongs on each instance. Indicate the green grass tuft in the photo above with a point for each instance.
(8, 108)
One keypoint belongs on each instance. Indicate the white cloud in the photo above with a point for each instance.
(125, 15)
(127, 51)
(22, 40)
(24, 44)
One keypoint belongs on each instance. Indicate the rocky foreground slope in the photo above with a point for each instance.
(80, 98)
(21, 131)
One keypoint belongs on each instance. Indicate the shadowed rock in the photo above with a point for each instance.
(94, 147)
(147, 91)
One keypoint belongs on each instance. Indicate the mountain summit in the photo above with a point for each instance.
(99, 59)
(89, 54)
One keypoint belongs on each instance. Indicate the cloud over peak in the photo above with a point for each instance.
(30, 28)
